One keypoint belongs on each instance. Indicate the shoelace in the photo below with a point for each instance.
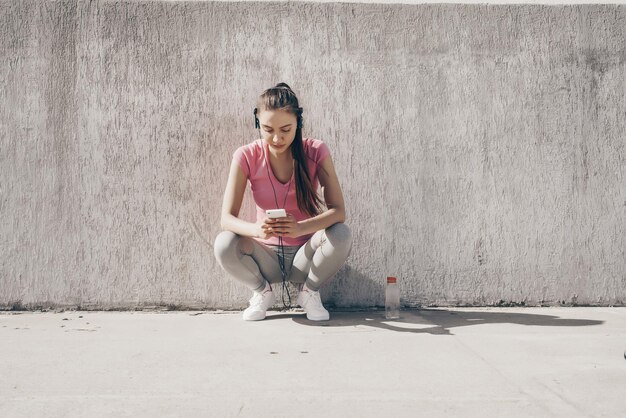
(315, 296)
(257, 298)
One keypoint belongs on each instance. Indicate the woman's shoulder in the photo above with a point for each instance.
(312, 142)
(252, 148)
(255, 144)
(316, 148)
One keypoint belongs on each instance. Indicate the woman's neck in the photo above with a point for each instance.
(284, 158)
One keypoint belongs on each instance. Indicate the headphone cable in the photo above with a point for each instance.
(281, 248)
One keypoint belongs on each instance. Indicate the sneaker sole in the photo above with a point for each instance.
(254, 318)
(318, 319)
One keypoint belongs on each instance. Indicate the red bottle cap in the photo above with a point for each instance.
(391, 279)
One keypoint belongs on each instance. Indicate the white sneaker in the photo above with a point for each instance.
(312, 305)
(259, 304)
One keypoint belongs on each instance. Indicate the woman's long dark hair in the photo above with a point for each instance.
(281, 97)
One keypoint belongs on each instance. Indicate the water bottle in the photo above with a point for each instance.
(392, 299)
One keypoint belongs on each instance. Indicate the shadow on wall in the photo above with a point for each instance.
(436, 321)
(350, 288)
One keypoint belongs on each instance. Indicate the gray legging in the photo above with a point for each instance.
(252, 262)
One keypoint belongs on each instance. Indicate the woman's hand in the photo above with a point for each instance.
(285, 227)
(264, 230)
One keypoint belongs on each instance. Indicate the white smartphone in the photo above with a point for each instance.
(276, 213)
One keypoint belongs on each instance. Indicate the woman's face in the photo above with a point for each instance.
(278, 128)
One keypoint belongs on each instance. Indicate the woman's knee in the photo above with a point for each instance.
(225, 243)
(339, 234)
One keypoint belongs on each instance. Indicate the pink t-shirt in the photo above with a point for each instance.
(254, 161)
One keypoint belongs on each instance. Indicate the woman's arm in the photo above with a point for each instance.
(332, 197)
(233, 197)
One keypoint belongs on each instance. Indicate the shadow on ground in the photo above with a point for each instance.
(434, 321)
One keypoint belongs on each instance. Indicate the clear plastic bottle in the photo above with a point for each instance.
(392, 299)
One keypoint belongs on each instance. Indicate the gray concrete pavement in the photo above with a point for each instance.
(536, 362)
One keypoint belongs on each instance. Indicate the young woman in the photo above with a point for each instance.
(307, 246)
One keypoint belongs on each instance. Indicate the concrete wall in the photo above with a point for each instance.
(480, 148)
